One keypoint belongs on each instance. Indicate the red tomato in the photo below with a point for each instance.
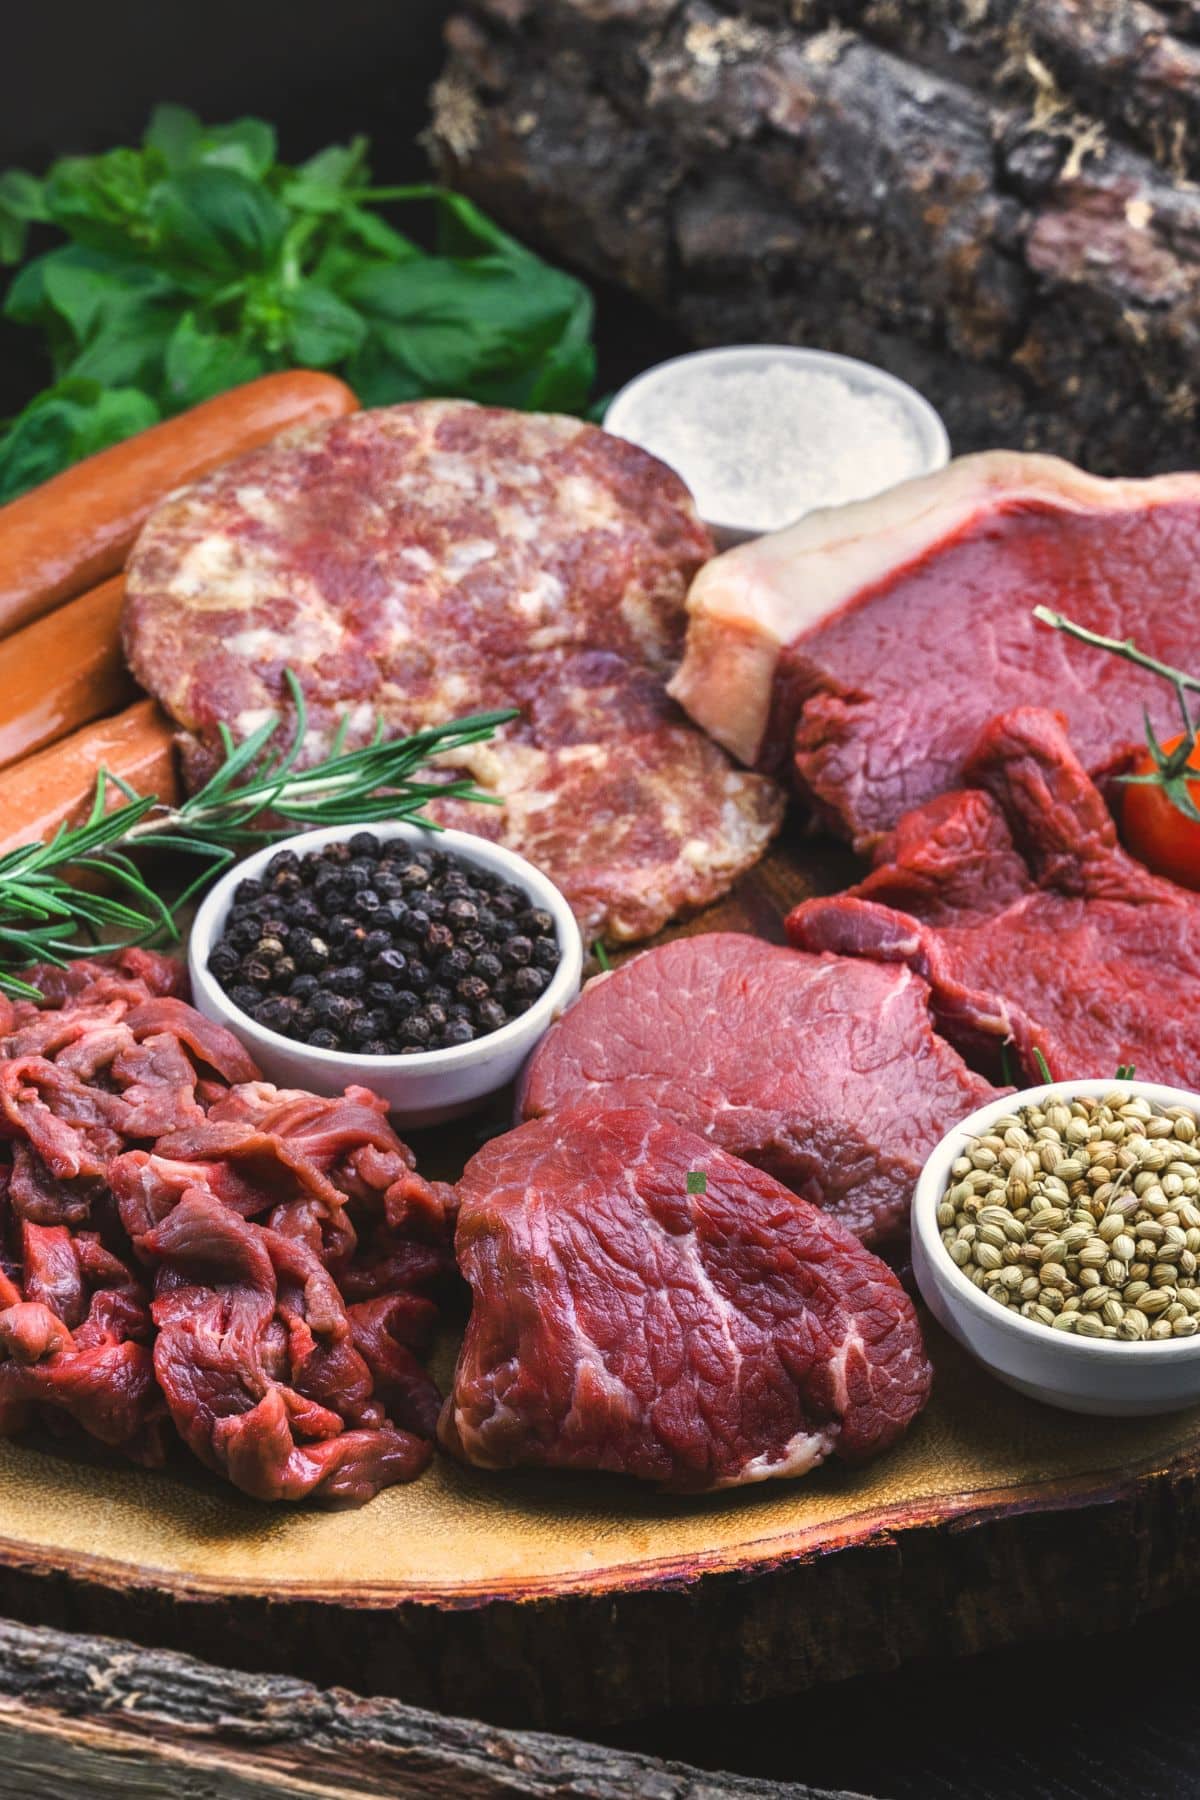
(1155, 831)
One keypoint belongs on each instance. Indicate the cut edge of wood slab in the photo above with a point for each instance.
(97, 1717)
(1091, 1562)
(746, 1560)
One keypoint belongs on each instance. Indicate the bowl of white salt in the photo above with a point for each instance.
(764, 433)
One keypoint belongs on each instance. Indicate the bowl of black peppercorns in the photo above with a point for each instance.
(423, 964)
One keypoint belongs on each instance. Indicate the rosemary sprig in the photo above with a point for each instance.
(1171, 767)
(257, 793)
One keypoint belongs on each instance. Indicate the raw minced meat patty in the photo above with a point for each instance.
(421, 562)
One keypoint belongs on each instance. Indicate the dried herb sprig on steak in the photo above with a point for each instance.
(1171, 770)
(255, 795)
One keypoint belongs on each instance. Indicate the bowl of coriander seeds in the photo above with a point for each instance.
(1056, 1236)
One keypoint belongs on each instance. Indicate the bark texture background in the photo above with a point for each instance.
(996, 199)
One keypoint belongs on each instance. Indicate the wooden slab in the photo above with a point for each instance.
(556, 1598)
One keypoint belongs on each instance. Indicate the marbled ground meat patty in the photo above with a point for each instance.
(425, 561)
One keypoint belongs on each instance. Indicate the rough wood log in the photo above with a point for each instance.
(94, 1718)
(989, 197)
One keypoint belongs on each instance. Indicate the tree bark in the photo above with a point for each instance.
(989, 197)
(97, 1718)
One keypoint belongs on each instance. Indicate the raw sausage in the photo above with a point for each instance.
(38, 794)
(63, 671)
(76, 528)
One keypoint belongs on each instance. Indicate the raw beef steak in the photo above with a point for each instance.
(427, 561)
(873, 642)
(836, 1084)
(622, 1320)
(1015, 902)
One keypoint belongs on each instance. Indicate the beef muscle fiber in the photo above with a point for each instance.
(872, 643)
(836, 1084)
(647, 1304)
(1015, 902)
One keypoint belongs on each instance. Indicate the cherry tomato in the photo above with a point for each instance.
(1154, 829)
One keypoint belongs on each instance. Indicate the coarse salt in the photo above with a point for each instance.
(759, 447)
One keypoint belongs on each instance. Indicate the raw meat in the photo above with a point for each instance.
(829, 1077)
(1015, 902)
(622, 1320)
(426, 561)
(295, 1254)
(872, 643)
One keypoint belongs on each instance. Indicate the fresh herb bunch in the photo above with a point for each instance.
(255, 794)
(1170, 770)
(200, 261)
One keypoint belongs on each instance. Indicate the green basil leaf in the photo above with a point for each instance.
(248, 146)
(323, 330)
(103, 202)
(67, 422)
(213, 226)
(319, 184)
(199, 363)
(22, 203)
(513, 332)
(174, 132)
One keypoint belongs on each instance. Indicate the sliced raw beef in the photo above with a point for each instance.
(1015, 902)
(644, 1303)
(296, 1255)
(873, 642)
(421, 562)
(827, 1076)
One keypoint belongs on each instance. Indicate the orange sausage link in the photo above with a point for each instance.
(77, 528)
(63, 671)
(38, 794)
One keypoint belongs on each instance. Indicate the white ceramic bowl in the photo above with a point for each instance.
(647, 393)
(1086, 1375)
(434, 1084)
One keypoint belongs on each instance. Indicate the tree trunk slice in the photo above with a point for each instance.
(992, 198)
(551, 1598)
(93, 1718)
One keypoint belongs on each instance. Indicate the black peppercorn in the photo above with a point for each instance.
(530, 982)
(364, 843)
(437, 993)
(311, 953)
(488, 967)
(351, 978)
(491, 1015)
(304, 986)
(403, 1002)
(342, 1009)
(415, 1030)
(243, 996)
(257, 969)
(389, 964)
(454, 964)
(462, 912)
(437, 939)
(324, 1039)
(375, 943)
(436, 1016)
(285, 968)
(458, 1031)
(546, 953)
(223, 962)
(472, 990)
(245, 891)
(379, 993)
(516, 951)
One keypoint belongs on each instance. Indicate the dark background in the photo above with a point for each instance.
(1107, 1720)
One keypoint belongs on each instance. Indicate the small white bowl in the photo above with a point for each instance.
(651, 391)
(433, 1085)
(1084, 1375)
